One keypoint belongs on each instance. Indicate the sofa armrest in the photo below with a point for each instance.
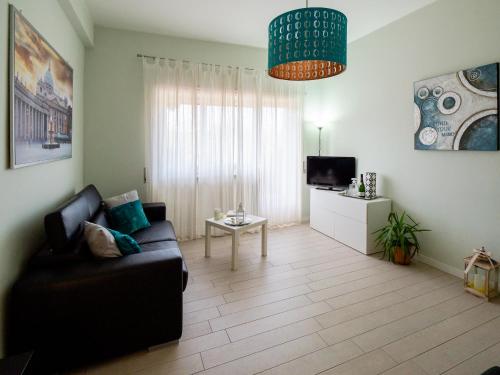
(155, 211)
(105, 305)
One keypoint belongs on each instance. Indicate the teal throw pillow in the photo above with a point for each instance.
(129, 217)
(126, 244)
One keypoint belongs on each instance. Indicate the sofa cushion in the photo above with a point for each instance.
(101, 241)
(160, 245)
(163, 245)
(125, 243)
(93, 199)
(118, 200)
(158, 231)
(129, 217)
(101, 218)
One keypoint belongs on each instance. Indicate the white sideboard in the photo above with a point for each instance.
(348, 220)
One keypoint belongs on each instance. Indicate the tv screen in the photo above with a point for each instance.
(332, 171)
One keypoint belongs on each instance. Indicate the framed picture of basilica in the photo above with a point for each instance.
(41, 97)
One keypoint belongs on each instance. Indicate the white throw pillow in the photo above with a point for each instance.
(101, 242)
(118, 200)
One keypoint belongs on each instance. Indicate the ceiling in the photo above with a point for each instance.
(238, 21)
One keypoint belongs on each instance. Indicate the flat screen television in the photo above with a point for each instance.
(333, 172)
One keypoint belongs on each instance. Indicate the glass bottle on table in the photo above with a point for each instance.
(240, 214)
(353, 187)
(361, 188)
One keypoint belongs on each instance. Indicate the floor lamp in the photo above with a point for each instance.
(320, 127)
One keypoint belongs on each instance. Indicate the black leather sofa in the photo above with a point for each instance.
(73, 309)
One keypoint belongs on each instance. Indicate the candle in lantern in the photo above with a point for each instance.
(479, 282)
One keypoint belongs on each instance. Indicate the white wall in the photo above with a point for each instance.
(114, 130)
(27, 194)
(79, 15)
(369, 114)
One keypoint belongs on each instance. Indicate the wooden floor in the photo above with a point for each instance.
(315, 306)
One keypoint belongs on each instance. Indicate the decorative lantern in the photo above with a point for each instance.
(481, 274)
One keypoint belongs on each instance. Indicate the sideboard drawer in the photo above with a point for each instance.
(350, 232)
(322, 220)
(349, 207)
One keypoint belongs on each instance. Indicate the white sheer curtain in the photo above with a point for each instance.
(217, 136)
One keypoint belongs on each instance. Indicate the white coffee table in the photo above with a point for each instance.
(235, 232)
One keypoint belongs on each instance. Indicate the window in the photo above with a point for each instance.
(219, 136)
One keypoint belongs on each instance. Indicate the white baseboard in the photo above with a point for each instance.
(441, 266)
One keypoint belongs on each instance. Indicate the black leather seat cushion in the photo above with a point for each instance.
(158, 231)
(159, 245)
(163, 245)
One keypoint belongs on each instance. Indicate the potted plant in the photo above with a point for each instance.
(399, 238)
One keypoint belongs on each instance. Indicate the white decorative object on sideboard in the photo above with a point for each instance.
(348, 220)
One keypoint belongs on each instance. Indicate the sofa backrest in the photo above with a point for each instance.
(64, 226)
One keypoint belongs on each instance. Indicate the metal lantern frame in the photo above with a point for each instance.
(489, 268)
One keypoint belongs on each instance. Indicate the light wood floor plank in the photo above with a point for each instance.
(195, 330)
(202, 304)
(257, 343)
(385, 316)
(451, 353)
(263, 299)
(269, 358)
(318, 361)
(257, 313)
(377, 290)
(406, 368)
(183, 366)
(243, 276)
(201, 315)
(372, 363)
(279, 320)
(393, 331)
(418, 343)
(479, 363)
(265, 288)
(356, 310)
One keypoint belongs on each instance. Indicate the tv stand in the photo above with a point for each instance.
(347, 220)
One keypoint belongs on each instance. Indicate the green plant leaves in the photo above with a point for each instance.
(400, 231)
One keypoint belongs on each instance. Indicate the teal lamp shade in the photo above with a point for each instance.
(307, 44)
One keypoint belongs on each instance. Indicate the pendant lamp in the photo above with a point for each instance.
(307, 44)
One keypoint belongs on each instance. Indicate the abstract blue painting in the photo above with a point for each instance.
(458, 111)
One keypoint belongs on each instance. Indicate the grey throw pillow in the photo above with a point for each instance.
(101, 242)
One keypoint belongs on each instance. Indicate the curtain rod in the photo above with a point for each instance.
(186, 61)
